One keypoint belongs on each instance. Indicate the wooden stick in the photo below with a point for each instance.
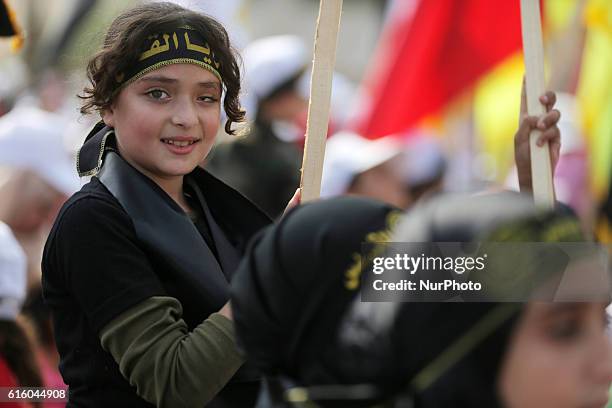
(326, 39)
(541, 171)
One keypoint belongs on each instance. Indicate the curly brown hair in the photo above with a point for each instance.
(121, 49)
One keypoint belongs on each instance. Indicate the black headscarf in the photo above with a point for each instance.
(296, 281)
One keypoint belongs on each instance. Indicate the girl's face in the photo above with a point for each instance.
(166, 121)
(560, 356)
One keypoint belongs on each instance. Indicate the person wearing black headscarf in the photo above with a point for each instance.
(296, 320)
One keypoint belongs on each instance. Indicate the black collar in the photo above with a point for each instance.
(239, 217)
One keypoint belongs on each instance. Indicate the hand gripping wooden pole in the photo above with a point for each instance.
(541, 171)
(326, 39)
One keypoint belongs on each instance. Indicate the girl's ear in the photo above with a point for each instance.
(108, 116)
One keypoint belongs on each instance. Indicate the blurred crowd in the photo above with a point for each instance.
(40, 131)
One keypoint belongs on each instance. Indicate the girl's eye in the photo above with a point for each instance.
(565, 329)
(158, 94)
(208, 98)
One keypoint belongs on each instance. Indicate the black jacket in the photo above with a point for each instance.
(153, 249)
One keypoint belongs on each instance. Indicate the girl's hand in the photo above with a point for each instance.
(226, 311)
(550, 133)
(294, 202)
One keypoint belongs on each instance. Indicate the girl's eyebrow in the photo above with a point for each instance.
(210, 84)
(158, 78)
(565, 307)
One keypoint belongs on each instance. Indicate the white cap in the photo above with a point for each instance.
(268, 63)
(424, 160)
(13, 271)
(347, 154)
(342, 97)
(31, 138)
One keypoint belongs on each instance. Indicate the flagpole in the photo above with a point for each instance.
(326, 39)
(541, 170)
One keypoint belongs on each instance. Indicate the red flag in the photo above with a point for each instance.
(424, 61)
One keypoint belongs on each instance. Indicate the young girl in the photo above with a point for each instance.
(136, 268)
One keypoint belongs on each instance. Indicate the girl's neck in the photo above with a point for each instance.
(174, 188)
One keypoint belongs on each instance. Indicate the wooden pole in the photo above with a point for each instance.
(326, 39)
(541, 171)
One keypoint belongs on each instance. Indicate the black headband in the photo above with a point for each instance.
(182, 45)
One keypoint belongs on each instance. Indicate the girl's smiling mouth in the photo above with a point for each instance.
(180, 145)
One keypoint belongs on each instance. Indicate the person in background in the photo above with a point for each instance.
(36, 177)
(39, 316)
(260, 165)
(424, 167)
(357, 166)
(18, 365)
(29, 205)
